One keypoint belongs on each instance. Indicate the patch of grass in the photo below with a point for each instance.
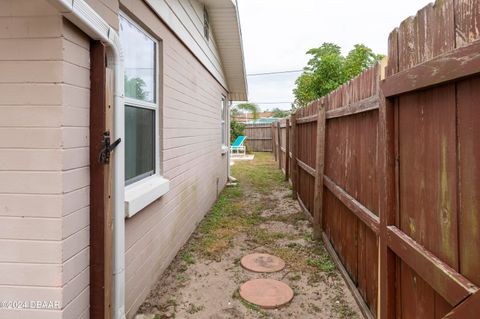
(224, 207)
(171, 303)
(232, 214)
(324, 263)
(264, 237)
(221, 224)
(188, 258)
(291, 219)
(259, 206)
(182, 278)
(259, 174)
(343, 309)
(248, 305)
(294, 245)
(192, 309)
(229, 216)
(295, 277)
(294, 258)
(253, 219)
(308, 237)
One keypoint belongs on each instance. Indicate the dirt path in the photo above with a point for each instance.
(259, 215)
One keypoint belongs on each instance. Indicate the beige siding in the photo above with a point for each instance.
(44, 152)
(44, 176)
(75, 172)
(107, 9)
(185, 18)
(191, 159)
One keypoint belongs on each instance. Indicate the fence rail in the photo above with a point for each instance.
(386, 167)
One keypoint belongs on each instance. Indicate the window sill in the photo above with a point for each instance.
(143, 193)
(224, 149)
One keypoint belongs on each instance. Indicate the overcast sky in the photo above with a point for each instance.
(277, 33)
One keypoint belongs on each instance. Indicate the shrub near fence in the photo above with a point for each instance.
(386, 167)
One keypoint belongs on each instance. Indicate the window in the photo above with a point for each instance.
(141, 105)
(224, 120)
(206, 24)
(143, 181)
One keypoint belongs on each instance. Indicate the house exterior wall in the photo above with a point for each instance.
(44, 157)
(186, 19)
(191, 159)
(44, 176)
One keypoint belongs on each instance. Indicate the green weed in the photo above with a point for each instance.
(324, 263)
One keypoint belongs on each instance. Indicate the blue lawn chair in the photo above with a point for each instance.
(238, 146)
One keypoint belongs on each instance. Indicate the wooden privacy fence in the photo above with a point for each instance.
(387, 167)
(281, 144)
(259, 137)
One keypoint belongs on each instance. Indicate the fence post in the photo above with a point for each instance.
(294, 173)
(386, 147)
(319, 169)
(287, 149)
(279, 149)
(274, 148)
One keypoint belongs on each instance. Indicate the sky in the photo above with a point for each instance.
(278, 33)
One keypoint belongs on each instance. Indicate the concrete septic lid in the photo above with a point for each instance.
(266, 293)
(262, 263)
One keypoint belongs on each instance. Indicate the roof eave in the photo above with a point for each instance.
(226, 30)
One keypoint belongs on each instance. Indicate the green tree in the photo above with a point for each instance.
(328, 69)
(250, 108)
(360, 59)
(236, 129)
(134, 87)
(234, 112)
(280, 113)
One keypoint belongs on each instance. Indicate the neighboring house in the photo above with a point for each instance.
(85, 234)
(266, 120)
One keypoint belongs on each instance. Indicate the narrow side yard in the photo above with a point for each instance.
(258, 215)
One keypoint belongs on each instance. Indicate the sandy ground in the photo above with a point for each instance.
(202, 287)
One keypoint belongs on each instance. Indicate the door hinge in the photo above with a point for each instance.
(108, 147)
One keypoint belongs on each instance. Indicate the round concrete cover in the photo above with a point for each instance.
(262, 263)
(266, 293)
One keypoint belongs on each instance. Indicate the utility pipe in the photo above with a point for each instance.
(86, 19)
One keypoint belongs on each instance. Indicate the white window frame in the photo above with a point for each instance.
(143, 192)
(206, 24)
(224, 123)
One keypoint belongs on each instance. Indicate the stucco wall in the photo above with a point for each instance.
(44, 176)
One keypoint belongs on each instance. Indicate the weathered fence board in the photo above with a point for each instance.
(259, 137)
(386, 167)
